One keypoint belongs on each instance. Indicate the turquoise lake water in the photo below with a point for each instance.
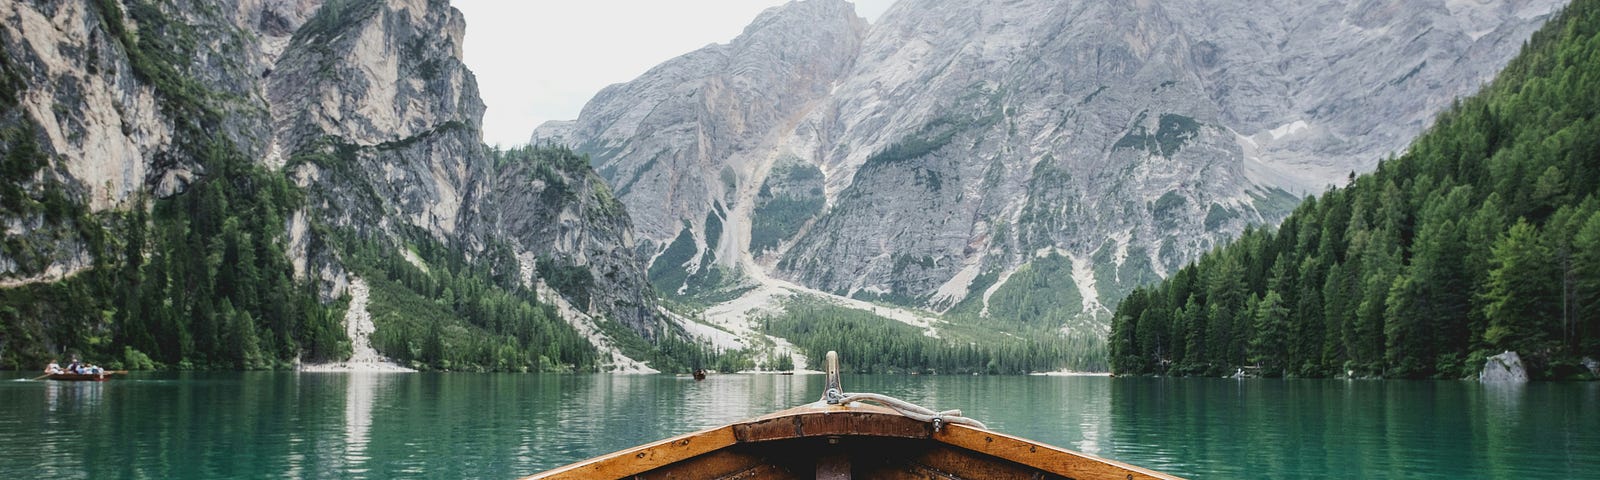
(457, 425)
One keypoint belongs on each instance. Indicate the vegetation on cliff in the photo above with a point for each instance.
(1483, 237)
(198, 279)
(197, 269)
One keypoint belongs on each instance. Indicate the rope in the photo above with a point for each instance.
(911, 410)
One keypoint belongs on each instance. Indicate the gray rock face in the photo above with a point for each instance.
(79, 103)
(557, 211)
(961, 140)
(380, 88)
(692, 132)
(365, 104)
(1503, 368)
(557, 132)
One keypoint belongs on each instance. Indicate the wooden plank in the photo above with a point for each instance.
(1048, 458)
(831, 423)
(905, 473)
(951, 462)
(762, 472)
(725, 464)
(833, 467)
(944, 462)
(643, 458)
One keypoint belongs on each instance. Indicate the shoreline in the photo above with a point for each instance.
(1069, 373)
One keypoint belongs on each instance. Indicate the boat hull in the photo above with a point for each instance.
(79, 377)
(839, 442)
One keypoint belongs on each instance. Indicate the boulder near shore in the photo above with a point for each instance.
(1503, 368)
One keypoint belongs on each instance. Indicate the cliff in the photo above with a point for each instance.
(193, 180)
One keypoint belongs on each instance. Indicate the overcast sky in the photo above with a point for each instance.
(541, 60)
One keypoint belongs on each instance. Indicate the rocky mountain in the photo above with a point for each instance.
(931, 157)
(379, 89)
(687, 140)
(227, 158)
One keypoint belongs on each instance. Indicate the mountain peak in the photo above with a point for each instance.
(925, 159)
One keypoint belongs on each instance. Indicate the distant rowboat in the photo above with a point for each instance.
(840, 438)
(80, 377)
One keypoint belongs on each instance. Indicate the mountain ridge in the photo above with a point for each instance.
(967, 140)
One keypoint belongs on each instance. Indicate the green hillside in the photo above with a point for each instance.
(1483, 237)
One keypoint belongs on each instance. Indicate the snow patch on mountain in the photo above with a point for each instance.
(1288, 129)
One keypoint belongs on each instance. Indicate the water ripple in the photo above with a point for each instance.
(184, 426)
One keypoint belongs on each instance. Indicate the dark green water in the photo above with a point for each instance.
(286, 425)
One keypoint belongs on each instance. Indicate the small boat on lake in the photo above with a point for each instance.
(80, 377)
(839, 437)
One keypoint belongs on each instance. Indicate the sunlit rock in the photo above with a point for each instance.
(1503, 368)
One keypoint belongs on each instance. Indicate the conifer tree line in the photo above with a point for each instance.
(457, 315)
(872, 344)
(1483, 237)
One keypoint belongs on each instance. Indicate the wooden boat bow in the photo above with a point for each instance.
(846, 440)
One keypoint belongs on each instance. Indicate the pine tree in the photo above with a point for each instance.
(1407, 351)
(1196, 351)
(1521, 299)
(1269, 335)
(1586, 284)
(1306, 320)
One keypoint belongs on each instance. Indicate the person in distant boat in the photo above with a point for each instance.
(53, 368)
(74, 366)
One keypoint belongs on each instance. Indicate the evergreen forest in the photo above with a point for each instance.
(1483, 237)
(868, 343)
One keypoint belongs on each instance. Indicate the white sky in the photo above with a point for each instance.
(542, 60)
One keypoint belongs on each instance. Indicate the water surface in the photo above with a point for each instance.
(434, 425)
